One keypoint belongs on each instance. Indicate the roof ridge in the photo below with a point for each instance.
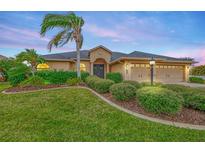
(64, 52)
(154, 54)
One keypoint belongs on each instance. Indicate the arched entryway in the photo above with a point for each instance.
(100, 67)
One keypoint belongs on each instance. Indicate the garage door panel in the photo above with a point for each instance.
(140, 74)
(169, 74)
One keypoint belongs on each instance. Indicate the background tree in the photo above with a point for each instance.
(31, 58)
(70, 27)
(6, 64)
(198, 70)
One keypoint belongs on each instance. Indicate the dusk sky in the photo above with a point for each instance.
(177, 34)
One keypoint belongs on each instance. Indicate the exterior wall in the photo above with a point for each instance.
(59, 65)
(118, 67)
(87, 65)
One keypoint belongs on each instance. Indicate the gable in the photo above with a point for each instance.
(100, 53)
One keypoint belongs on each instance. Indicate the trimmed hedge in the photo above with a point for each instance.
(100, 85)
(156, 84)
(114, 76)
(84, 75)
(18, 74)
(33, 81)
(196, 80)
(60, 77)
(136, 84)
(193, 97)
(73, 81)
(90, 81)
(159, 100)
(123, 91)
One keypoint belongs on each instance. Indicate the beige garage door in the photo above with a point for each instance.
(169, 74)
(140, 72)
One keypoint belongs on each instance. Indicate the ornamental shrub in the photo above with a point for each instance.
(73, 81)
(84, 75)
(6, 65)
(196, 80)
(193, 97)
(123, 91)
(98, 84)
(134, 83)
(196, 100)
(90, 81)
(103, 85)
(33, 81)
(159, 100)
(18, 74)
(114, 76)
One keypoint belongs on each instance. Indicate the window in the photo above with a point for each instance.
(142, 65)
(42, 66)
(137, 65)
(82, 67)
(147, 65)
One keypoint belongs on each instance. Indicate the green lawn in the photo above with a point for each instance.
(77, 115)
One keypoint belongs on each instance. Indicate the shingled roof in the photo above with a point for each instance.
(115, 56)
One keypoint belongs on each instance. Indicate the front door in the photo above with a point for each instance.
(98, 70)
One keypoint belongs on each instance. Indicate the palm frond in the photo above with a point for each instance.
(66, 38)
(52, 20)
(55, 40)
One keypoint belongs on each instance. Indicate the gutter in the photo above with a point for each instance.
(157, 59)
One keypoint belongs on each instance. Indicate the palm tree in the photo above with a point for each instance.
(31, 58)
(70, 26)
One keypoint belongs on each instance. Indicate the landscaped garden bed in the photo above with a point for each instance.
(186, 115)
(168, 102)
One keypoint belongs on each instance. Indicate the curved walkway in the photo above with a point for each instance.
(166, 122)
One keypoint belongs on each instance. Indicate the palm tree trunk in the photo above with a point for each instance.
(78, 59)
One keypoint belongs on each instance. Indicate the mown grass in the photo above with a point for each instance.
(77, 115)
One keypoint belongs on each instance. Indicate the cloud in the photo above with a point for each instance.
(20, 33)
(131, 29)
(103, 32)
(197, 54)
(24, 38)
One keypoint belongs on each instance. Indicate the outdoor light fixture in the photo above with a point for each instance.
(152, 63)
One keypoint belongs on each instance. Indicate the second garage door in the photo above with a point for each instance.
(169, 74)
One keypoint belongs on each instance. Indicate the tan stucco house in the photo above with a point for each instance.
(133, 66)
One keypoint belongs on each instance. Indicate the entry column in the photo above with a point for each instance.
(91, 68)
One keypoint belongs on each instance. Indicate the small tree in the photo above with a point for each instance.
(31, 58)
(6, 64)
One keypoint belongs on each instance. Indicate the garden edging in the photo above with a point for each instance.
(166, 122)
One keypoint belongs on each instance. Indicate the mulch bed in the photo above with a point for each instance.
(32, 88)
(187, 115)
